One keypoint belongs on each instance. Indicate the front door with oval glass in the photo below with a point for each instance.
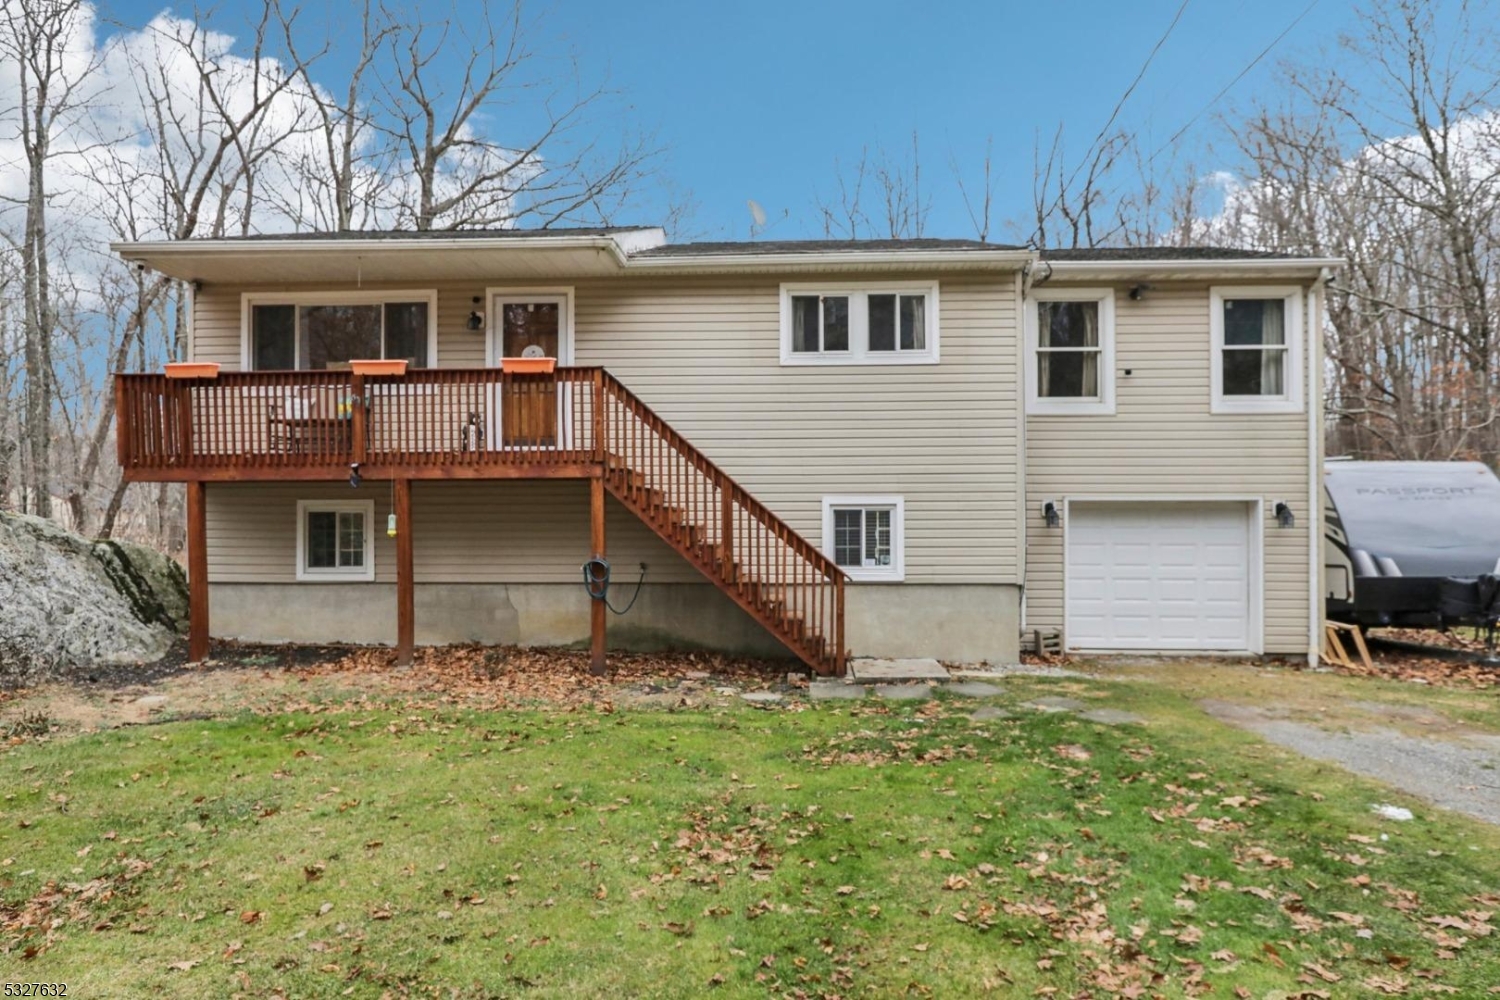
(529, 327)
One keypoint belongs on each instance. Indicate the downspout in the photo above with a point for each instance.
(1315, 467)
(1024, 282)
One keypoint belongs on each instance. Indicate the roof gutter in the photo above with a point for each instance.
(140, 251)
(1253, 265)
(863, 258)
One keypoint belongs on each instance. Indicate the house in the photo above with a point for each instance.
(885, 447)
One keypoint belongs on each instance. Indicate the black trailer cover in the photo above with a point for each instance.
(1432, 519)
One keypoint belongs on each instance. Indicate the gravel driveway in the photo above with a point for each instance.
(1460, 771)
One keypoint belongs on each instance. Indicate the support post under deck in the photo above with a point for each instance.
(197, 559)
(406, 614)
(597, 609)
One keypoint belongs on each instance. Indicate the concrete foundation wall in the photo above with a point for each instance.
(667, 615)
(965, 623)
(961, 623)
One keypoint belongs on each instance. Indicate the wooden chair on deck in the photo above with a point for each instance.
(308, 419)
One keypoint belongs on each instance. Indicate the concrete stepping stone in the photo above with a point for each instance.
(989, 713)
(1111, 716)
(904, 692)
(974, 689)
(888, 671)
(761, 697)
(835, 691)
(1052, 703)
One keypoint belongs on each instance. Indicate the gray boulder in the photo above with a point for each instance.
(67, 602)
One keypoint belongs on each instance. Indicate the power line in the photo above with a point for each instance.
(1230, 85)
(1126, 96)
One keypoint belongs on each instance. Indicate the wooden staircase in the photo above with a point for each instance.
(768, 569)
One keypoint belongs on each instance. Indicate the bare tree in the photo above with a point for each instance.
(461, 175)
(980, 205)
(1402, 179)
(38, 38)
(881, 197)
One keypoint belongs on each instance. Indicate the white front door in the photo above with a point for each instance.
(1159, 576)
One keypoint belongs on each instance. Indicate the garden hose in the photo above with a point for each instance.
(596, 573)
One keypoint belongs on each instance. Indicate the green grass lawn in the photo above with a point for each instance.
(842, 850)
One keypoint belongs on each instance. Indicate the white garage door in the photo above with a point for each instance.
(1171, 576)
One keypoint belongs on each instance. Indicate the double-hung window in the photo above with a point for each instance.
(1070, 351)
(334, 540)
(1257, 343)
(872, 323)
(864, 536)
(327, 331)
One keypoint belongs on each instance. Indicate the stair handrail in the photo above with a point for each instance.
(722, 479)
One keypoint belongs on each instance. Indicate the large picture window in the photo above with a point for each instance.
(328, 332)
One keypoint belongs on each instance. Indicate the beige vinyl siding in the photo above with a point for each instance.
(1163, 442)
(705, 354)
(498, 531)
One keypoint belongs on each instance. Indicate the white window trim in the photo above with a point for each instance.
(365, 573)
(1104, 403)
(1291, 401)
(249, 300)
(859, 352)
(896, 571)
(497, 296)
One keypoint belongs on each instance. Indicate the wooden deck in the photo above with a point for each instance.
(480, 424)
(429, 424)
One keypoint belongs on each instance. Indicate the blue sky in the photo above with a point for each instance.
(758, 100)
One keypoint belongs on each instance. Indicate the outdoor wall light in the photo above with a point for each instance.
(476, 320)
(354, 474)
(1138, 292)
(1283, 513)
(1050, 513)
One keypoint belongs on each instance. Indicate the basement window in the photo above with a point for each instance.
(859, 323)
(865, 536)
(334, 541)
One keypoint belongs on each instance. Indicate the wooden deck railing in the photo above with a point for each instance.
(279, 424)
(781, 578)
(450, 423)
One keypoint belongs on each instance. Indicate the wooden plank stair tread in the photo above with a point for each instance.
(696, 535)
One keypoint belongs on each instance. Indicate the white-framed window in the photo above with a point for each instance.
(1070, 351)
(335, 540)
(859, 323)
(326, 330)
(1257, 348)
(866, 536)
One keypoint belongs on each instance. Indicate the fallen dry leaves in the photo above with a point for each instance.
(501, 675)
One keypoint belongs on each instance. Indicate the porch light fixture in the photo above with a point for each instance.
(1283, 513)
(1050, 513)
(354, 474)
(476, 320)
(1138, 292)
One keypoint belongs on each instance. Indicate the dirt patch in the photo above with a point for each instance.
(244, 677)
